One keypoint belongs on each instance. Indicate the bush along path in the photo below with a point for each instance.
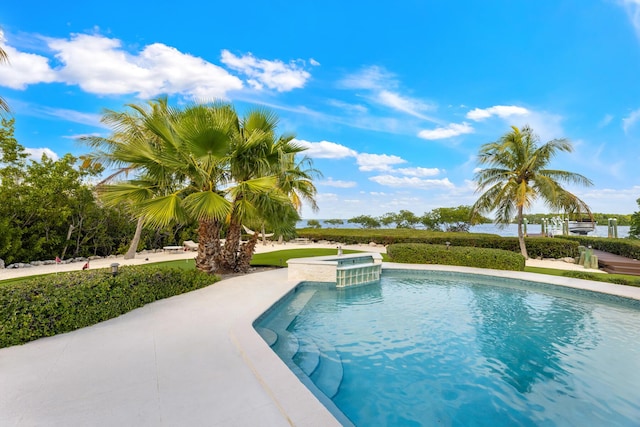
(54, 304)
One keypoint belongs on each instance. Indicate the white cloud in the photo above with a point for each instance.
(24, 69)
(272, 74)
(373, 78)
(631, 120)
(412, 182)
(407, 105)
(36, 153)
(314, 62)
(71, 115)
(605, 120)
(380, 84)
(325, 149)
(352, 108)
(99, 65)
(453, 129)
(377, 162)
(633, 11)
(338, 183)
(502, 111)
(419, 172)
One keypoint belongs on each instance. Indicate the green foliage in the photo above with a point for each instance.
(365, 221)
(458, 219)
(619, 279)
(334, 221)
(629, 248)
(539, 246)
(634, 230)
(314, 223)
(517, 174)
(419, 253)
(55, 304)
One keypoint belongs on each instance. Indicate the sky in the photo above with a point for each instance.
(392, 99)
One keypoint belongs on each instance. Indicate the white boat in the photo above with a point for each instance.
(582, 227)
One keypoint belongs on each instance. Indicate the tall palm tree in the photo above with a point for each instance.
(126, 126)
(517, 175)
(256, 153)
(184, 172)
(295, 184)
(4, 58)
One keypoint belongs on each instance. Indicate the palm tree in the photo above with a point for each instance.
(517, 175)
(258, 154)
(184, 172)
(127, 126)
(295, 185)
(4, 58)
(194, 164)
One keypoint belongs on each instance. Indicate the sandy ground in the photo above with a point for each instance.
(148, 258)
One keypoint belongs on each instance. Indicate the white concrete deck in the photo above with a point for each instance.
(189, 360)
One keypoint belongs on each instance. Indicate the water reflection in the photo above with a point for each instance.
(526, 336)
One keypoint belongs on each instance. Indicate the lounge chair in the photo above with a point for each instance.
(190, 245)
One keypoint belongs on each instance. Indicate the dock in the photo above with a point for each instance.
(616, 264)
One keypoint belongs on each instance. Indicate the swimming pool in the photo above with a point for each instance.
(453, 349)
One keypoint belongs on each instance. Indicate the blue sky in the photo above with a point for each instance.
(392, 99)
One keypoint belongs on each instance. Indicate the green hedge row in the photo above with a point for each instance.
(420, 253)
(624, 247)
(610, 278)
(537, 247)
(49, 305)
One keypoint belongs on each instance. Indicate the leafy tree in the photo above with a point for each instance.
(388, 219)
(517, 175)
(334, 221)
(634, 230)
(365, 221)
(313, 223)
(406, 219)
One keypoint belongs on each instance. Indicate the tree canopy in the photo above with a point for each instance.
(517, 174)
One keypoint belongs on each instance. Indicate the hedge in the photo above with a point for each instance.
(420, 253)
(537, 247)
(629, 248)
(610, 278)
(54, 304)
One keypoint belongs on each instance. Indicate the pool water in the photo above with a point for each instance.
(429, 348)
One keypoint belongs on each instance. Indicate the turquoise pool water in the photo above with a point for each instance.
(427, 348)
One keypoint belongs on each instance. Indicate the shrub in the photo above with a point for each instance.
(610, 278)
(624, 247)
(49, 305)
(419, 253)
(542, 247)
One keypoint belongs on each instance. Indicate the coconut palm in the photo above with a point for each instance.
(517, 175)
(4, 58)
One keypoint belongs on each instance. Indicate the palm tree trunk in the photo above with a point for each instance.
(523, 247)
(131, 253)
(209, 250)
(231, 247)
(246, 253)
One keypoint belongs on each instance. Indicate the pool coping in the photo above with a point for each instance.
(292, 397)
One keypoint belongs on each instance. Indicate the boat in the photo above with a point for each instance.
(582, 227)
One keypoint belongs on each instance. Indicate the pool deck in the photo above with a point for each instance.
(193, 359)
